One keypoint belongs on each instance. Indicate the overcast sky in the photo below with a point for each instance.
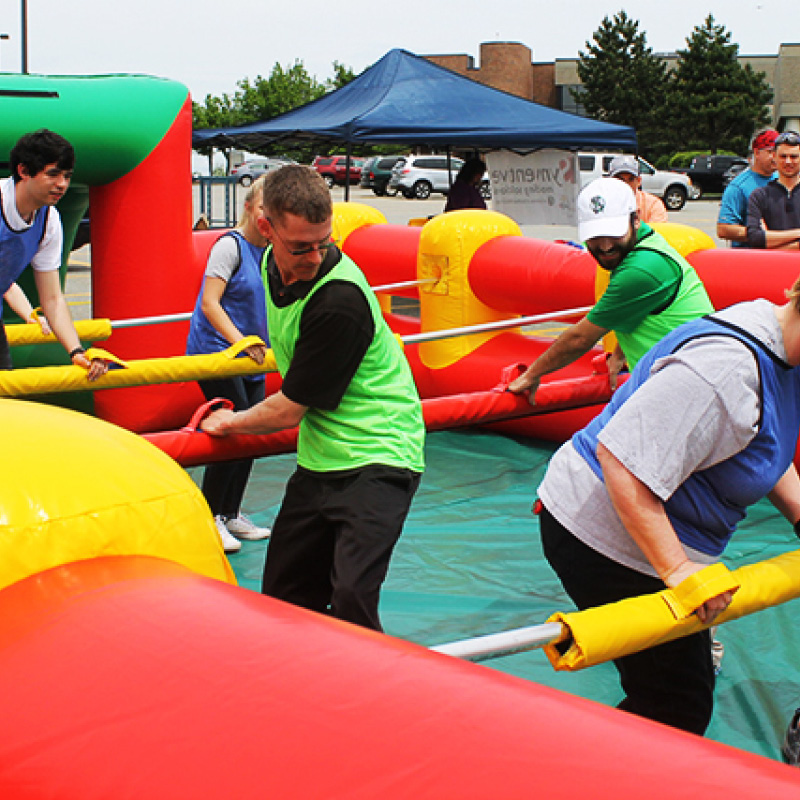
(210, 44)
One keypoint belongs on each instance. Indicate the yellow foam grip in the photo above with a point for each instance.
(89, 330)
(601, 634)
(42, 380)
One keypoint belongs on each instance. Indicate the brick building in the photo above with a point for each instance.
(509, 66)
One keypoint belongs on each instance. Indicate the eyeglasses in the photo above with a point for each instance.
(789, 137)
(302, 251)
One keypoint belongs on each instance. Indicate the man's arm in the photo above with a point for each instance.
(731, 232)
(570, 346)
(276, 413)
(55, 308)
(644, 517)
(785, 496)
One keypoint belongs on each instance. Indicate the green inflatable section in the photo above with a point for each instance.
(470, 563)
(113, 121)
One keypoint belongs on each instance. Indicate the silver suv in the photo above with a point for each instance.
(248, 171)
(418, 176)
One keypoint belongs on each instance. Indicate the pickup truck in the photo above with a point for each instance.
(672, 187)
(706, 172)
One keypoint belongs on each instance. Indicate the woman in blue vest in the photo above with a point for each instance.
(230, 306)
(653, 488)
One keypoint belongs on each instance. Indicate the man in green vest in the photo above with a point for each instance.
(348, 386)
(651, 291)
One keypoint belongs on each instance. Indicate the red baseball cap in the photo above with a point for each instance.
(765, 140)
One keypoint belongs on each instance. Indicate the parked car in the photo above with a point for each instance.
(334, 169)
(419, 176)
(376, 173)
(672, 187)
(249, 171)
(731, 173)
(706, 171)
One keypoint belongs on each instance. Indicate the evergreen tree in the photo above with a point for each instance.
(623, 81)
(715, 102)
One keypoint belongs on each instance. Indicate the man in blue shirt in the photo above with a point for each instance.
(732, 220)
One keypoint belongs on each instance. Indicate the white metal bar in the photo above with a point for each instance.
(504, 324)
(388, 287)
(136, 322)
(494, 645)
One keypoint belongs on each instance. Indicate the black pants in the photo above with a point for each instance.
(672, 683)
(333, 538)
(224, 483)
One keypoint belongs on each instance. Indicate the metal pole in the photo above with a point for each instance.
(24, 18)
(414, 338)
(4, 37)
(504, 324)
(506, 643)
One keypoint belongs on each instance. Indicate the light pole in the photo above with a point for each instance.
(24, 43)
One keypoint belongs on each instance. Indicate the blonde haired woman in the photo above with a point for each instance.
(232, 305)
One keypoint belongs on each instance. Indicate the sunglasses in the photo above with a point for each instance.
(789, 137)
(301, 251)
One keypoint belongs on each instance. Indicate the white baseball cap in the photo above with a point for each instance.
(604, 208)
(623, 164)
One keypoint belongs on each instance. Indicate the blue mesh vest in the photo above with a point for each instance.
(707, 506)
(243, 301)
(17, 248)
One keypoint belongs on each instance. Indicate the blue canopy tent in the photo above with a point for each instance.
(405, 99)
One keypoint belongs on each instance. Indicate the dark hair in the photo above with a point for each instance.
(471, 169)
(36, 150)
(299, 190)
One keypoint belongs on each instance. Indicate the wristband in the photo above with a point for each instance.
(73, 353)
(796, 527)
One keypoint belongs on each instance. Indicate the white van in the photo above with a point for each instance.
(672, 187)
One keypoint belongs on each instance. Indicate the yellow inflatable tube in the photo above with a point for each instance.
(601, 634)
(89, 330)
(76, 488)
(46, 380)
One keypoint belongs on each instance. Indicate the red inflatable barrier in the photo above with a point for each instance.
(191, 447)
(132, 677)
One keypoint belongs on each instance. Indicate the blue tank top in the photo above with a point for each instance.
(243, 301)
(17, 248)
(706, 508)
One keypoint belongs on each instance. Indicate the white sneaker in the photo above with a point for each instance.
(229, 543)
(244, 528)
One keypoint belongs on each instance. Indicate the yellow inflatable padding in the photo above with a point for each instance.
(601, 634)
(446, 247)
(89, 330)
(46, 380)
(75, 488)
(348, 217)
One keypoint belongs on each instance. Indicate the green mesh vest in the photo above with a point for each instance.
(379, 419)
(689, 303)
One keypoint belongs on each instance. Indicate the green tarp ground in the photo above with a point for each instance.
(470, 563)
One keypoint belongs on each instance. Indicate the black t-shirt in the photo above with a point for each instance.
(336, 329)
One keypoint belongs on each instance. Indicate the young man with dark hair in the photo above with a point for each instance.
(31, 233)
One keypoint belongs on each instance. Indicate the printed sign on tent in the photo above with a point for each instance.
(536, 189)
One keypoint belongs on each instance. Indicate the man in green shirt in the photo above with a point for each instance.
(652, 288)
